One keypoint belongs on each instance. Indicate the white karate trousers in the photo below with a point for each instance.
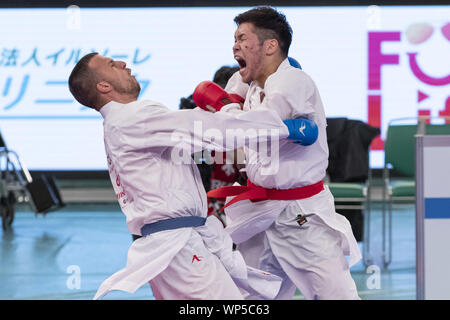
(309, 257)
(195, 274)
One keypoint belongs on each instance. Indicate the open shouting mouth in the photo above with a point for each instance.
(242, 63)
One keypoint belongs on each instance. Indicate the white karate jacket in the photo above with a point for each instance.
(148, 150)
(292, 94)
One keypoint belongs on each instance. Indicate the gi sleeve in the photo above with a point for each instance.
(195, 130)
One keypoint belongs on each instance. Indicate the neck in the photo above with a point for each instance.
(125, 101)
(270, 68)
(122, 98)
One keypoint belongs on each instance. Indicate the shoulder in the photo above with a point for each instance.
(292, 84)
(136, 112)
(147, 107)
(287, 80)
(236, 85)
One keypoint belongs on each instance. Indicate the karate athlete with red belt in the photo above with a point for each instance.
(284, 221)
(181, 253)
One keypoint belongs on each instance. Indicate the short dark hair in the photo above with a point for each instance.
(187, 103)
(223, 74)
(270, 24)
(221, 77)
(82, 81)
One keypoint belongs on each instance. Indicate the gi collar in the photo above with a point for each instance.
(106, 109)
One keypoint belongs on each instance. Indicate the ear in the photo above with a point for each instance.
(271, 46)
(104, 87)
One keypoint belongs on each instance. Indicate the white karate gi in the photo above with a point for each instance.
(309, 257)
(148, 150)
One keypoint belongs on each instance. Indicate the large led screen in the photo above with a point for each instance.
(371, 63)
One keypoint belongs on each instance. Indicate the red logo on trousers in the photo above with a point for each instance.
(194, 257)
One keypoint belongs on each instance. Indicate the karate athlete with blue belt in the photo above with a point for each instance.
(181, 253)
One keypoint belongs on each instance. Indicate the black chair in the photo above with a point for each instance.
(17, 185)
(349, 175)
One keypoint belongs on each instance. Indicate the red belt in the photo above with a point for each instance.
(257, 193)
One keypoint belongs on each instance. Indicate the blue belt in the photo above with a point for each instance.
(174, 223)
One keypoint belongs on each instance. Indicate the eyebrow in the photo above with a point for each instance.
(239, 36)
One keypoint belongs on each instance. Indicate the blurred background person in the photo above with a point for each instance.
(217, 169)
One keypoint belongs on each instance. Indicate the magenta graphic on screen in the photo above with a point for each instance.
(417, 35)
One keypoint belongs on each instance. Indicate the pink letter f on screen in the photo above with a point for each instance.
(377, 59)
